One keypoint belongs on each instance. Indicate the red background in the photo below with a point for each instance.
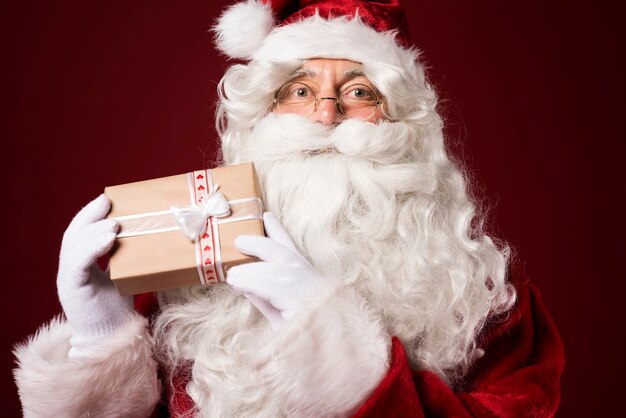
(102, 93)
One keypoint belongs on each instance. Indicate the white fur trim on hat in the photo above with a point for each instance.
(246, 31)
(338, 38)
(242, 28)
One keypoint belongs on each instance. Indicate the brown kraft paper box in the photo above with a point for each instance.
(167, 260)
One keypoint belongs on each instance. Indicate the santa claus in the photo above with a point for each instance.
(378, 293)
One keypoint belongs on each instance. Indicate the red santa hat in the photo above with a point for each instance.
(283, 30)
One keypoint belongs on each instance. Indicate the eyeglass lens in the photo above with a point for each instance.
(354, 101)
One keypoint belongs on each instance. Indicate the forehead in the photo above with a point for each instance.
(330, 69)
(328, 64)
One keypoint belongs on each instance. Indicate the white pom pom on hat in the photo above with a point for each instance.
(280, 30)
(242, 28)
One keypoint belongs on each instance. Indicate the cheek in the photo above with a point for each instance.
(275, 109)
(378, 116)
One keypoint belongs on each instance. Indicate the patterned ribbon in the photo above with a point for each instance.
(208, 258)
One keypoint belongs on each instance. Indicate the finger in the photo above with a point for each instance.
(264, 248)
(267, 281)
(81, 235)
(276, 231)
(92, 212)
(89, 252)
(245, 278)
(100, 227)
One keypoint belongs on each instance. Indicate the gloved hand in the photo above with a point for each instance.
(93, 308)
(281, 284)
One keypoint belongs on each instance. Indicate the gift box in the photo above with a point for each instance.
(180, 230)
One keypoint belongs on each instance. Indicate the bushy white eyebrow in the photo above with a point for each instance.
(301, 72)
(353, 73)
(308, 72)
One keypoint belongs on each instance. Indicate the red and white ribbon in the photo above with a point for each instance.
(208, 258)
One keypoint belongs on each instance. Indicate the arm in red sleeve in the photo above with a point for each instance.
(519, 375)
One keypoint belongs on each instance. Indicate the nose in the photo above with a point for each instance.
(327, 112)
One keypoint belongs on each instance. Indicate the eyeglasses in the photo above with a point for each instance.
(357, 101)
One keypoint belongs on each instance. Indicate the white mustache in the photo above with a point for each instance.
(388, 148)
(284, 136)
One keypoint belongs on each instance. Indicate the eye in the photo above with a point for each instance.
(301, 92)
(295, 92)
(359, 92)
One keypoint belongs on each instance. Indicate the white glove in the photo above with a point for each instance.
(281, 284)
(91, 303)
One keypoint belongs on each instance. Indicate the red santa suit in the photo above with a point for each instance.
(518, 375)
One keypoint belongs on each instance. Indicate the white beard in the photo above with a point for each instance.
(378, 206)
(337, 191)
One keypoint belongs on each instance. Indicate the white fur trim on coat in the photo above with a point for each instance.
(326, 361)
(119, 381)
(246, 31)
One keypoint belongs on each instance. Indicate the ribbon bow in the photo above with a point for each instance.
(193, 220)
